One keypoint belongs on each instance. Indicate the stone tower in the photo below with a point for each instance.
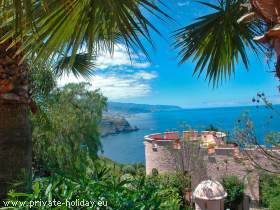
(160, 154)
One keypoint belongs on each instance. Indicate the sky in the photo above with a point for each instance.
(163, 81)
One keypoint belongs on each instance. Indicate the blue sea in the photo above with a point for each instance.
(129, 147)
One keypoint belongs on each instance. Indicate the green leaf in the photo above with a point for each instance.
(47, 29)
(215, 42)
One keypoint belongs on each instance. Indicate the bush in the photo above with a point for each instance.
(116, 192)
(212, 128)
(270, 191)
(129, 169)
(235, 191)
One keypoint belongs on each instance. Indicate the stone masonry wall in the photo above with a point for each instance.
(163, 158)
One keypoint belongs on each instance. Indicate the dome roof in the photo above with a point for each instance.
(209, 190)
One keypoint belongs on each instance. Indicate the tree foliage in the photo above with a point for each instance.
(65, 132)
(42, 80)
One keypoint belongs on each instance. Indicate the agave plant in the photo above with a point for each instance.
(66, 33)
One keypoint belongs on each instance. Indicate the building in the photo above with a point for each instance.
(204, 155)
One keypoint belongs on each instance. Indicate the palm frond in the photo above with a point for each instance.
(216, 42)
(83, 65)
(46, 28)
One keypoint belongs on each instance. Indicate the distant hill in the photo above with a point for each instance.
(131, 108)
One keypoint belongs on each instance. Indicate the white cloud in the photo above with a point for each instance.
(125, 77)
(119, 58)
(183, 3)
(118, 86)
(146, 75)
(115, 87)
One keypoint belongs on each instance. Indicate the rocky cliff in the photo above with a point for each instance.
(113, 124)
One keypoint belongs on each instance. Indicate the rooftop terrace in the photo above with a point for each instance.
(205, 138)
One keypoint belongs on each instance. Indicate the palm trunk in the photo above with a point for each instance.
(15, 130)
(15, 145)
(269, 11)
(276, 46)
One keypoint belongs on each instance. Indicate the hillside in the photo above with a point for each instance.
(132, 108)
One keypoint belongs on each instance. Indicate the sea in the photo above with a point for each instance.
(128, 148)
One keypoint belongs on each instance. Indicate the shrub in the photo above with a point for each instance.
(129, 169)
(235, 191)
(155, 172)
(212, 128)
(270, 191)
(117, 192)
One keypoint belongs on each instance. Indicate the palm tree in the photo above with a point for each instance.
(217, 41)
(68, 34)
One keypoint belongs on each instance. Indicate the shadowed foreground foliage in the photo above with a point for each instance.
(124, 191)
(235, 192)
(270, 191)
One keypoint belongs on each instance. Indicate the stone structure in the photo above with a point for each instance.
(160, 155)
(167, 153)
(209, 195)
(204, 156)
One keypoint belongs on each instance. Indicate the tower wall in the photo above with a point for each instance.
(161, 156)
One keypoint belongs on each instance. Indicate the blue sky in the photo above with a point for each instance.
(163, 81)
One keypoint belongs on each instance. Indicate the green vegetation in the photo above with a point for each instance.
(65, 132)
(235, 191)
(270, 191)
(122, 191)
(118, 186)
(212, 128)
(272, 138)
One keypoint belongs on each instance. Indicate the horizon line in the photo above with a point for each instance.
(193, 107)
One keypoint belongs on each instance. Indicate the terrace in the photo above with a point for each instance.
(214, 141)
